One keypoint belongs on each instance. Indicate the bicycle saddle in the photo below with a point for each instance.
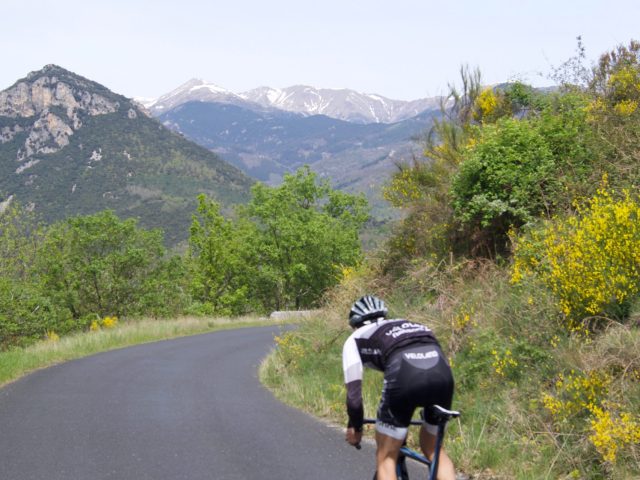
(438, 415)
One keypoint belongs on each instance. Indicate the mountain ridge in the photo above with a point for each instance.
(268, 144)
(343, 104)
(70, 146)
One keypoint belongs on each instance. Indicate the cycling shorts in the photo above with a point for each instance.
(416, 376)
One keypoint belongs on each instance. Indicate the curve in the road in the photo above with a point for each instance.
(190, 408)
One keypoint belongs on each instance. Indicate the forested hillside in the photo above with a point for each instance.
(520, 248)
(69, 146)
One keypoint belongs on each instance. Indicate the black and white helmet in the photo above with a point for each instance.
(366, 310)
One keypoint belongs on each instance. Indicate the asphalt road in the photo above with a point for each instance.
(190, 408)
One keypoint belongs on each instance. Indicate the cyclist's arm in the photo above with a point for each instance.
(352, 366)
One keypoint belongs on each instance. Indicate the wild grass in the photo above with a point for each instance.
(17, 362)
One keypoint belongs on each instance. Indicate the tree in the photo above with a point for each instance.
(220, 252)
(101, 265)
(25, 311)
(283, 249)
(306, 234)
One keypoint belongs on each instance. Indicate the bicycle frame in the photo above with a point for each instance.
(405, 452)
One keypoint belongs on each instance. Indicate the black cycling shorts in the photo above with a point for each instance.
(416, 376)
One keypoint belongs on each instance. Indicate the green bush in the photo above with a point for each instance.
(101, 265)
(26, 315)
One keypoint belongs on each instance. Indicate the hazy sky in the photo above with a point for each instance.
(401, 49)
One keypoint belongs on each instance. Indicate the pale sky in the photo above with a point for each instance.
(401, 49)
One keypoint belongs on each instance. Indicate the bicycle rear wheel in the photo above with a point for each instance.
(403, 474)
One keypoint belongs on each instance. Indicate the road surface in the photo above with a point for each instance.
(190, 408)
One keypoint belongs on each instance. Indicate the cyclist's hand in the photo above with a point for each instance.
(353, 437)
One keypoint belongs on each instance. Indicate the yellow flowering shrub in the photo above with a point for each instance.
(462, 321)
(624, 84)
(290, 349)
(610, 432)
(52, 336)
(106, 322)
(583, 395)
(619, 93)
(576, 393)
(109, 322)
(486, 104)
(590, 261)
(503, 362)
(626, 107)
(405, 187)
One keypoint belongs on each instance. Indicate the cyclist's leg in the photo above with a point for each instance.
(394, 415)
(437, 385)
(387, 456)
(446, 470)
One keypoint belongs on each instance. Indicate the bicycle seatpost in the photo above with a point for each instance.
(436, 452)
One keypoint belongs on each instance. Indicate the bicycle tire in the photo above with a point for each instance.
(403, 474)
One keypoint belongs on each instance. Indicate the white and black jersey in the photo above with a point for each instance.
(372, 346)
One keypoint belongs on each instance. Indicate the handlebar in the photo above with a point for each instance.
(372, 421)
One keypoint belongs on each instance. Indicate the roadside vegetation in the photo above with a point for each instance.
(106, 334)
(280, 251)
(519, 247)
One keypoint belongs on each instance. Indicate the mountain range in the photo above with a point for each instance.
(267, 132)
(342, 104)
(69, 145)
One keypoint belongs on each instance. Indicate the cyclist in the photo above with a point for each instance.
(416, 374)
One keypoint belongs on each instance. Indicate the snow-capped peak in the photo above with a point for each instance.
(194, 90)
(344, 104)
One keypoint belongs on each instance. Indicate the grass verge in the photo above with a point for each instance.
(17, 362)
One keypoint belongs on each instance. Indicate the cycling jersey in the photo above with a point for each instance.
(373, 346)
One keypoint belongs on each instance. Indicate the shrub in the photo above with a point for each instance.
(99, 264)
(591, 260)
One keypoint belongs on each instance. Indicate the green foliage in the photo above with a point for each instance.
(27, 315)
(306, 234)
(284, 249)
(221, 253)
(505, 180)
(101, 265)
(20, 235)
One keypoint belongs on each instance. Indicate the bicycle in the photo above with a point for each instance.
(441, 417)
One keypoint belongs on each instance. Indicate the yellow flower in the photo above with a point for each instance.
(589, 261)
(610, 433)
(52, 336)
(109, 322)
